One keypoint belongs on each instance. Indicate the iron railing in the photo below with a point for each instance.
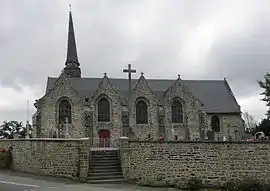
(104, 144)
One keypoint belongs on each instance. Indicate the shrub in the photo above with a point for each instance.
(252, 185)
(232, 185)
(157, 181)
(194, 184)
(171, 182)
(245, 185)
(160, 181)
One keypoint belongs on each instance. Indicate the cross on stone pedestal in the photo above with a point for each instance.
(129, 71)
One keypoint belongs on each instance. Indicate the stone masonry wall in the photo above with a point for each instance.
(142, 91)
(53, 157)
(48, 107)
(107, 90)
(213, 162)
(189, 129)
(229, 124)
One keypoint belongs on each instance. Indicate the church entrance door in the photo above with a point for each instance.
(104, 138)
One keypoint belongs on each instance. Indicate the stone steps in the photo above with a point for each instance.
(105, 153)
(105, 167)
(95, 157)
(109, 181)
(104, 174)
(105, 163)
(110, 169)
(105, 177)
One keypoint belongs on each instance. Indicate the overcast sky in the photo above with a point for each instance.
(199, 39)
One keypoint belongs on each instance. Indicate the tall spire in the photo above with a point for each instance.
(72, 64)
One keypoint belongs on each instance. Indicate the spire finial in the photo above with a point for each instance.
(142, 73)
(179, 76)
(105, 73)
(70, 7)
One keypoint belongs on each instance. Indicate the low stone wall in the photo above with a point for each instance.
(214, 163)
(6, 143)
(54, 157)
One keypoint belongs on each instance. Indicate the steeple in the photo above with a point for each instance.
(72, 68)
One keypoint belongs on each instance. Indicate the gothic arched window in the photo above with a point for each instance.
(141, 112)
(64, 111)
(177, 111)
(103, 110)
(215, 124)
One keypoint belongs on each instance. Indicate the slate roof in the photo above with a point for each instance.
(214, 94)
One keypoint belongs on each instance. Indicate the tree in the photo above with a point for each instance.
(263, 126)
(250, 123)
(265, 123)
(266, 93)
(9, 128)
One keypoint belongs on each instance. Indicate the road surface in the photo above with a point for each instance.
(11, 181)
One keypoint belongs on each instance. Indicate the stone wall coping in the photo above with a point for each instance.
(46, 139)
(212, 142)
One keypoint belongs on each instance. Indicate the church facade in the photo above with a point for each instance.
(108, 108)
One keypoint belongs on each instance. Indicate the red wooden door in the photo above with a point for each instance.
(104, 138)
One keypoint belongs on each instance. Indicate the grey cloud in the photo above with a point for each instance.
(18, 115)
(242, 60)
(33, 43)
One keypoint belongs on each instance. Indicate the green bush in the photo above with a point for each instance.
(157, 181)
(171, 182)
(246, 185)
(232, 185)
(160, 181)
(194, 184)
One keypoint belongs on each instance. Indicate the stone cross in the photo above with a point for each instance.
(129, 71)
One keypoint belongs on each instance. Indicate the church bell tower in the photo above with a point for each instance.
(72, 68)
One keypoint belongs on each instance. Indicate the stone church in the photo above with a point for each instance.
(107, 108)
